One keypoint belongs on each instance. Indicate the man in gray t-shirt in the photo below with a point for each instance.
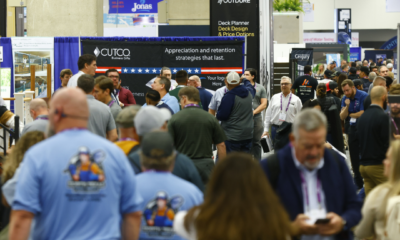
(259, 104)
(39, 113)
(101, 121)
(103, 87)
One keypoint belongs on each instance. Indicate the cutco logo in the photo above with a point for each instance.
(233, 1)
(142, 7)
(302, 56)
(114, 53)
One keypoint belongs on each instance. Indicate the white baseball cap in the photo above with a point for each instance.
(389, 65)
(150, 118)
(233, 78)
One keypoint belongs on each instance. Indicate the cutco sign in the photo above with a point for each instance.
(114, 53)
(233, 1)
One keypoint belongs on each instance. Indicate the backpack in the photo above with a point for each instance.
(392, 228)
(274, 168)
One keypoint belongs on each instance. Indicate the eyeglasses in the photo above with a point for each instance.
(285, 84)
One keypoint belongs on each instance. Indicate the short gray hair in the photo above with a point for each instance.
(372, 76)
(309, 120)
(286, 77)
(196, 78)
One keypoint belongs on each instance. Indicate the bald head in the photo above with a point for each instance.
(378, 94)
(38, 107)
(194, 81)
(69, 109)
(379, 81)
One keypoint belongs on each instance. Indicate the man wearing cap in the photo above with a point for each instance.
(152, 118)
(164, 194)
(358, 84)
(305, 85)
(364, 73)
(390, 67)
(353, 74)
(194, 131)
(332, 90)
(236, 114)
(215, 101)
(332, 66)
(39, 112)
(328, 75)
(81, 186)
(283, 107)
(352, 109)
(101, 121)
(128, 136)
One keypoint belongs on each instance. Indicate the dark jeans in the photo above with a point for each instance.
(204, 166)
(354, 147)
(273, 132)
(238, 146)
(257, 133)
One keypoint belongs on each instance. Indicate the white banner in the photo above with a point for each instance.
(320, 37)
(355, 39)
(32, 43)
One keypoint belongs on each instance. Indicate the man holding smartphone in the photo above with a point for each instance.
(313, 183)
(122, 95)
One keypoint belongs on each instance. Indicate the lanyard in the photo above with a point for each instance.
(192, 105)
(395, 126)
(117, 93)
(307, 74)
(290, 98)
(127, 139)
(43, 118)
(304, 184)
(111, 103)
(226, 89)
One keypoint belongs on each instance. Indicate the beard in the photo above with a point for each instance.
(394, 111)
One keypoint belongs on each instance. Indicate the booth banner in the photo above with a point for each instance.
(133, 6)
(320, 37)
(37, 52)
(140, 62)
(355, 54)
(343, 25)
(304, 56)
(333, 57)
(232, 18)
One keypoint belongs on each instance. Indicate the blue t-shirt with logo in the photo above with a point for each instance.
(78, 185)
(356, 104)
(164, 195)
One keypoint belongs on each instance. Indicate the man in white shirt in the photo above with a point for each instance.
(87, 65)
(282, 108)
(216, 99)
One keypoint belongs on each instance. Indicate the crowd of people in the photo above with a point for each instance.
(188, 163)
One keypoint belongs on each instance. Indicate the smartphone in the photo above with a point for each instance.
(322, 221)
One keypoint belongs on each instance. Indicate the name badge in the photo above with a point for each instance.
(353, 120)
(282, 117)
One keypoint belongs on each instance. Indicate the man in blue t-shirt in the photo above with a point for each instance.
(164, 194)
(75, 184)
(352, 109)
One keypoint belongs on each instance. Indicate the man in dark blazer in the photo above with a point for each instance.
(373, 132)
(313, 182)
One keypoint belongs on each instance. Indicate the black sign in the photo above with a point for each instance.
(238, 18)
(140, 62)
(303, 56)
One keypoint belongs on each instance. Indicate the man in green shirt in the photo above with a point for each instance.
(195, 130)
(182, 79)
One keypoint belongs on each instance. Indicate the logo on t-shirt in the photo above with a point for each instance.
(159, 215)
(86, 171)
(305, 82)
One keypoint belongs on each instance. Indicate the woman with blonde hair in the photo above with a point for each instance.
(374, 221)
(239, 204)
(319, 75)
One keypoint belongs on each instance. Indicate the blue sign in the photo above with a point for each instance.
(333, 57)
(391, 44)
(133, 6)
(355, 54)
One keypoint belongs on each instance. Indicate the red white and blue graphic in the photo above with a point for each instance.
(157, 71)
